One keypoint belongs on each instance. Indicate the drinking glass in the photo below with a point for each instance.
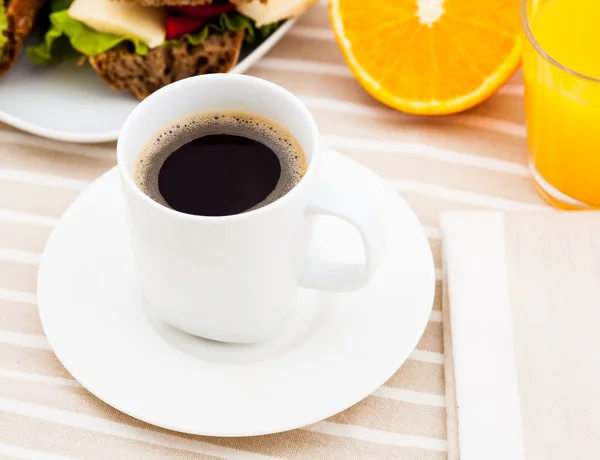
(563, 115)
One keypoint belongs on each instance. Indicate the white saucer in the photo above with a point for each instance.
(73, 104)
(333, 351)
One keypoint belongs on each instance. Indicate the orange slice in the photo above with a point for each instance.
(429, 57)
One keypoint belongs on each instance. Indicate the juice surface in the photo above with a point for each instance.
(563, 110)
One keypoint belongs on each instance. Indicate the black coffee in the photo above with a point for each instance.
(220, 164)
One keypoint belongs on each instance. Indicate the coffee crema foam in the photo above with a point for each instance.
(288, 150)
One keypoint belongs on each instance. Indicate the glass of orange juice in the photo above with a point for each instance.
(561, 65)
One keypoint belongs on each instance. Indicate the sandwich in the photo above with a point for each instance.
(16, 22)
(139, 46)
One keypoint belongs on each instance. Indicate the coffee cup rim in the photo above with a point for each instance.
(140, 111)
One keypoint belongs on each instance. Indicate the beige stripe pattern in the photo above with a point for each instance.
(474, 160)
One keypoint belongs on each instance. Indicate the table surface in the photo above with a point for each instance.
(475, 160)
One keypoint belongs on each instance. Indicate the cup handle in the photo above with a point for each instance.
(363, 213)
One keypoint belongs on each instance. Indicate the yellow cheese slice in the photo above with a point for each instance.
(122, 18)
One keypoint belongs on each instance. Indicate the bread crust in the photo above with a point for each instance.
(21, 15)
(124, 70)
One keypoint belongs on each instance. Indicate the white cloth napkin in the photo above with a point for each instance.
(523, 304)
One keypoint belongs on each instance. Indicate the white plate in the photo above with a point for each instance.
(333, 351)
(74, 105)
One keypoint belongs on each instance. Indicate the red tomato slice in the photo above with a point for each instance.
(177, 27)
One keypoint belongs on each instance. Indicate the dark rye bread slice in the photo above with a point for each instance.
(21, 16)
(125, 70)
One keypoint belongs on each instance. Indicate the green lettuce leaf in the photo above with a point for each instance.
(265, 31)
(82, 38)
(66, 33)
(59, 5)
(229, 22)
(3, 28)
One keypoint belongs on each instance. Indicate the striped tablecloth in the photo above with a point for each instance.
(475, 160)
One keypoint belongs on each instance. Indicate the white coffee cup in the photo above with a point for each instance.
(235, 278)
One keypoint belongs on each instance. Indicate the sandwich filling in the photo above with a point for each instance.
(92, 27)
(3, 29)
(16, 21)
